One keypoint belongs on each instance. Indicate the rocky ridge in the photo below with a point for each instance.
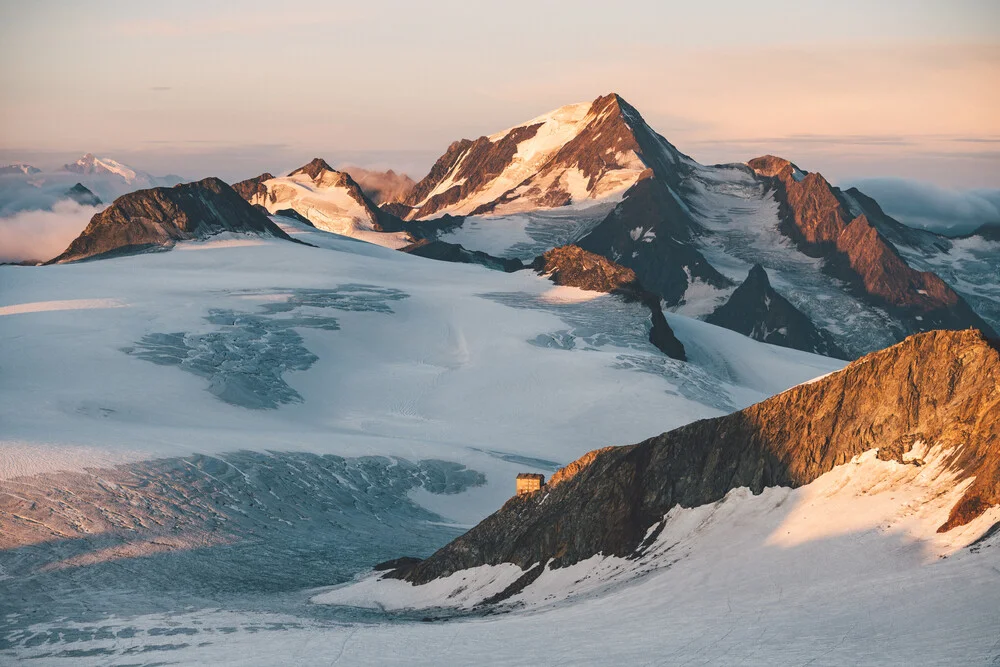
(82, 195)
(454, 252)
(329, 199)
(157, 218)
(575, 267)
(755, 309)
(940, 388)
(820, 220)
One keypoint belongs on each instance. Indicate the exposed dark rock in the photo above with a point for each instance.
(894, 231)
(83, 196)
(756, 310)
(939, 387)
(612, 134)
(438, 172)
(573, 266)
(252, 186)
(650, 233)
(875, 269)
(482, 161)
(314, 168)
(397, 564)
(453, 252)
(159, 217)
(818, 218)
(293, 214)
(398, 209)
(322, 174)
(990, 231)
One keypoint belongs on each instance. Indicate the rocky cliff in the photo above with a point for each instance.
(651, 233)
(453, 252)
(821, 220)
(756, 310)
(82, 195)
(159, 217)
(252, 187)
(940, 388)
(573, 266)
(575, 154)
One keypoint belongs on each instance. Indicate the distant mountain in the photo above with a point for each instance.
(81, 195)
(756, 310)
(19, 168)
(26, 188)
(596, 175)
(938, 387)
(156, 219)
(990, 231)
(90, 165)
(382, 187)
(329, 199)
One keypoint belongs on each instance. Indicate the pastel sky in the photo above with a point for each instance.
(854, 89)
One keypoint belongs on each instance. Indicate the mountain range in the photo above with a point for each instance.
(764, 248)
(850, 277)
(274, 421)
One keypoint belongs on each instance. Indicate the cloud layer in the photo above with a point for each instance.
(927, 206)
(41, 235)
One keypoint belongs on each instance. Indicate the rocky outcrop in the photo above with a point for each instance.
(453, 252)
(651, 233)
(83, 196)
(875, 269)
(819, 218)
(940, 388)
(253, 187)
(573, 266)
(756, 310)
(158, 218)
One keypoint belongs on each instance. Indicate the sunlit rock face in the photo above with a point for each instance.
(156, 219)
(939, 388)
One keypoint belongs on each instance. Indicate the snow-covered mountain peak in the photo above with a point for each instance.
(91, 164)
(314, 168)
(329, 199)
(19, 168)
(577, 155)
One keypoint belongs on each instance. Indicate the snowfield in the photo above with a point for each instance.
(204, 451)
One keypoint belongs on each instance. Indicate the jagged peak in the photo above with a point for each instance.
(757, 276)
(770, 165)
(938, 389)
(314, 168)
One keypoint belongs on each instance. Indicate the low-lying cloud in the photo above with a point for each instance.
(927, 206)
(41, 235)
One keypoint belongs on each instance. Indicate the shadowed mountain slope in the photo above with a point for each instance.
(159, 217)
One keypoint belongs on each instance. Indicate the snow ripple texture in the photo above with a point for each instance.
(245, 360)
